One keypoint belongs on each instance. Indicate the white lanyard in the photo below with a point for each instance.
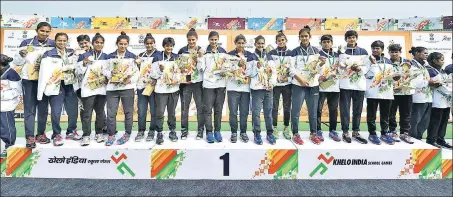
(63, 57)
(120, 57)
(97, 58)
(40, 44)
(146, 53)
(163, 57)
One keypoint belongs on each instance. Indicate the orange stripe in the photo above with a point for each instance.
(11, 167)
(424, 159)
(156, 168)
(157, 154)
(446, 167)
(277, 163)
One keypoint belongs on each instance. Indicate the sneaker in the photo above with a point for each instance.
(444, 144)
(4, 154)
(58, 140)
(270, 138)
(85, 141)
(244, 138)
(387, 138)
(199, 135)
(73, 136)
(276, 132)
(434, 144)
(334, 136)
(110, 140)
(395, 136)
(160, 138)
(209, 137)
(150, 136)
(297, 139)
(257, 139)
(346, 137)
(184, 135)
(173, 137)
(358, 138)
(374, 139)
(234, 138)
(287, 133)
(42, 139)
(217, 136)
(123, 139)
(319, 134)
(140, 136)
(406, 138)
(104, 131)
(315, 138)
(31, 142)
(99, 138)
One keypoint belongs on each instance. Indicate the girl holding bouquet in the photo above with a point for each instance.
(402, 96)
(10, 90)
(122, 73)
(352, 87)
(423, 96)
(442, 100)
(52, 87)
(193, 83)
(167, 74)
(306, 86)
(329, 87)
(93, 89)
(282, 57)
(147, 97)
(40, 42)
(264, 78)
(238, 87)
(214, 84)
(379, 74)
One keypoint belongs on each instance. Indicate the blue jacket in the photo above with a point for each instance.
(160, 56)
(127, 55)
(356, 51)
(185, 50)
(54, 53)
(34, 42)
(247, 54)
(281, 52)
(298, 51)
(449, 69)
(104, 56)
(219, 50)
(330, 52)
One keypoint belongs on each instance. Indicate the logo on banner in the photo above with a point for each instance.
(122, 167)
(11, 36)
(321, 165)
(141, 38)
(446, 38)
(24, 34)
(342, 162)
(431, 37)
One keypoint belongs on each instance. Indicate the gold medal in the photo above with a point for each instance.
(30, 48)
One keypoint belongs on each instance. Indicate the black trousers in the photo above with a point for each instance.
(403, 103)
(169, 101)
(384, 109)
(357, 98)
(285, 92)
(213, 98)
(332, 103)
(96, 103)
(187, 91)
(438, 125)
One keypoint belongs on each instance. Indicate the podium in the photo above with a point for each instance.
(193, 159)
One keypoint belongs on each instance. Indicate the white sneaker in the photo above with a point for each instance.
(85, 141)
(99, 138)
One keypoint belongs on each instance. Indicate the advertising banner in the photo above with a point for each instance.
(447, 22)
(299, 23)
(435, 42)
(265, 23)
(419, 24)
(71, 23)
(148, 22)
(341, 24)
(22, 21)
(369, 24)
(109, 23)
(226, 23)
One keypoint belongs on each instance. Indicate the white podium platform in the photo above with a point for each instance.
(196, 159)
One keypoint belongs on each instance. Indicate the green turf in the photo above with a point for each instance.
(303, 126)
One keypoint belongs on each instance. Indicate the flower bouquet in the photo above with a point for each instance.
(283, 71)
(170, 73)
(121, 72)
(33, 59)
(188, 66)
(145, 77)
(350, 66)
(95, 79)
(329, 74)
(54, 82)
(235, 70)
(310, 69)
(265, 74)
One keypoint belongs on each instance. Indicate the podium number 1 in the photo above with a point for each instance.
(226, 164)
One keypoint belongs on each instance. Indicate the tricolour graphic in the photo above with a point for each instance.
(19, 162)
(165, 163)
(426, 163)
(280, 163)
(265, 23)
(446, 168)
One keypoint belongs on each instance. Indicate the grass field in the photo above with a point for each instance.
(303, 127)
